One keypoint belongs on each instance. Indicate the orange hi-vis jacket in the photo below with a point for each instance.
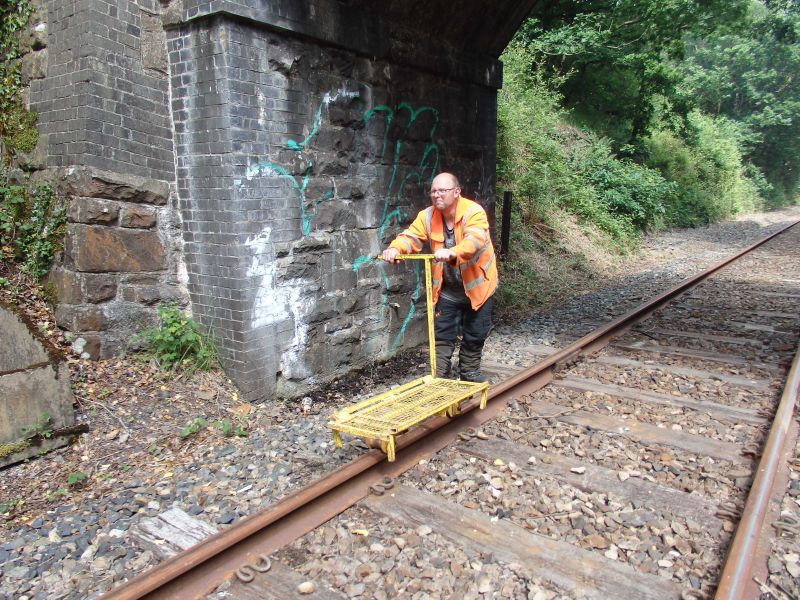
(474, 250)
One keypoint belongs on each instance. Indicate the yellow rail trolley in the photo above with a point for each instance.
(391, 413)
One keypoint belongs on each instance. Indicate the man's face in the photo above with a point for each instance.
(444, 193)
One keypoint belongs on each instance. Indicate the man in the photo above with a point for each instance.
(464, 273)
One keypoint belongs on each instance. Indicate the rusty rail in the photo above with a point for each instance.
(736, 576)
(198, 570)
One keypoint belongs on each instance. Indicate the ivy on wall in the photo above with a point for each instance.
(32, 227)
(32, 220)
(17, 125)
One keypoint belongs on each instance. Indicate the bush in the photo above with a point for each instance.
(177, 342)
(706, 166)
(632, 192)
(563, 225)
(552, 166)
(578, 205)
(530, 161)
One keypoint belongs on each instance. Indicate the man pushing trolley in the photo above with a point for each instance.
(460, 278)
(464, 276)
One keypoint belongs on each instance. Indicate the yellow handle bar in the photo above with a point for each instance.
(409, 257)
(428, 258)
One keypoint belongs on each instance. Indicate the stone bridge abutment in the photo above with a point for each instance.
(249, 158)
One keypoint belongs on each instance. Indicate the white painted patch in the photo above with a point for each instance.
(261, 169)
(268, 306)
(262, 108)
(292, 364)
(340, 93)
(274, 304)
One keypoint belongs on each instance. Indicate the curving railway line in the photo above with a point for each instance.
(649, 459)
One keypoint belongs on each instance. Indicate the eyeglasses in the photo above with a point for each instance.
(441, 192)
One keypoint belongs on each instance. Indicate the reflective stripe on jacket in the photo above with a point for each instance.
(474, 250)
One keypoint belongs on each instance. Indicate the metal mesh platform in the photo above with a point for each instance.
(386, 415)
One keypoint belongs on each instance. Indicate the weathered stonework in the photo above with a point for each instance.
(94, 183)
(98, 287)
(93, 211)
(137, 217)
(101, 249)
(116, 267)
(252, 157)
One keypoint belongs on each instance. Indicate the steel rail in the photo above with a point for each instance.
(198, 570)
(736, 575)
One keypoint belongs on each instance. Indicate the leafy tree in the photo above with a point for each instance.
(751, 76)
(553, 167)
(614, 55)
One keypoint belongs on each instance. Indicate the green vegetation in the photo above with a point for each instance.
(193, 426)
(56, 495)
(10, 506)
(619, 118)
(32, 219)
(13, 448)
(18, 129)
(42, 428)
(75, 478)
(32, 226)
(178, 343)
(17, 125)
(748, 74)
(230, 428)
(226, 426)
(155, 449)
(706, 164)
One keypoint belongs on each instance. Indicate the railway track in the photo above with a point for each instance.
(617, 467)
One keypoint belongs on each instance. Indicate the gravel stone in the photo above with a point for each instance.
(217, 479)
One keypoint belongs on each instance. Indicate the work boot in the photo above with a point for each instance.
(474, 376)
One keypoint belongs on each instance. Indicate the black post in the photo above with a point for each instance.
(505, 232)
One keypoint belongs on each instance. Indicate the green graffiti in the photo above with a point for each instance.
(392, 215)
(422, 174)
(425, 170)
(268, 168)
(314, 129)
(411, 309)
(360, 261)
(273, 169)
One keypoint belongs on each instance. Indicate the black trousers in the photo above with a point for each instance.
(453, 318)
